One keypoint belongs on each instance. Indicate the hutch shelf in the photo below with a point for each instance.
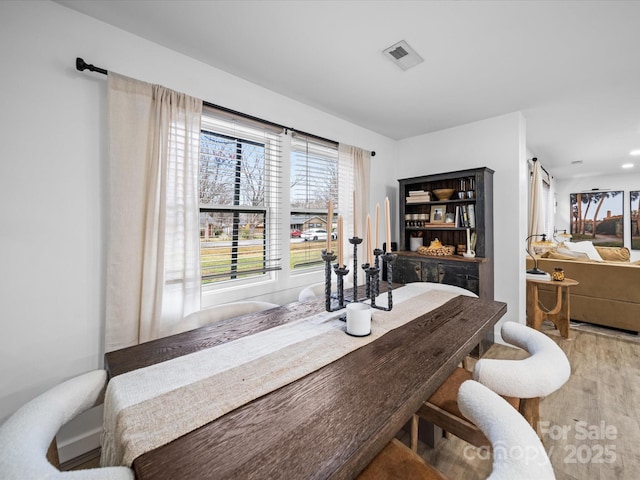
(467, 214)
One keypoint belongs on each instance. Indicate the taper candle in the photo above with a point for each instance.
(377, 245)
(355, 215)
(388, 222)
(369, 246)
(329, 225)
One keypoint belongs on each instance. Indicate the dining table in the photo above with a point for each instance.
(331, 421)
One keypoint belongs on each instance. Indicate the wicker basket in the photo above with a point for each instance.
(437, 252)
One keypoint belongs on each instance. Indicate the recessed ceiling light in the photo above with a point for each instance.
(634, 152)
(627, 165)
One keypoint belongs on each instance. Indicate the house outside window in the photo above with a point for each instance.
(313, 183)
(239, 199)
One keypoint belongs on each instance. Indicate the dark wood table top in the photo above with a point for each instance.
(328, 424)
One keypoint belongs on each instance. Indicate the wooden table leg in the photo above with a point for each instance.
(560, 314)
(535, 316)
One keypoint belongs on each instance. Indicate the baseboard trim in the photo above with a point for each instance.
(86, 457)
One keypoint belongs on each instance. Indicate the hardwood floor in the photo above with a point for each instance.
(593, 424)
(600, 400)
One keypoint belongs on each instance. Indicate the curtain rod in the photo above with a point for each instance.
(81, 65)
(535, 159)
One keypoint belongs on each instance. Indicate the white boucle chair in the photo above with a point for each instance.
(521, 382)
(517, 450)
(518, 453)
(312, 292)
(27, 434)
(217, 313)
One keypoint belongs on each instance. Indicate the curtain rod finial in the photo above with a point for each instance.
(80, 64)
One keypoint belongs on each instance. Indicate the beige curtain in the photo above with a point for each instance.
(353, 165)
(153, 271)
(536, 207)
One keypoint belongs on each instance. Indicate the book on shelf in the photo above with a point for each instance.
(418, 199)
(471, 213)
(417, 192)
(440, 225)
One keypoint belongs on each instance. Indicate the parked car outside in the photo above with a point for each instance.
(317, 234)
(295, 233)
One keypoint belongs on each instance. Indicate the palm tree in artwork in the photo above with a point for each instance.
(599, 199)
(635, 225)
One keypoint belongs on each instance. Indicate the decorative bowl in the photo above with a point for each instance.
(442, 251)
(444, 193)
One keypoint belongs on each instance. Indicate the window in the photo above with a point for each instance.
(314, 182)
(240, 196)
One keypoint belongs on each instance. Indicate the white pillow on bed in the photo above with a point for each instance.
(584, 247)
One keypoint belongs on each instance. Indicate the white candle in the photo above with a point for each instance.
(388, 223)
(468, 241)
(368, 242)
(340, 262)
(377, 244)
(355, 215)
(329, 225)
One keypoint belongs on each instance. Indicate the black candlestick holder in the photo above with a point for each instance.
(388, 259)
(328, 257)
(355, 241)
(372, 278)
(341, 271)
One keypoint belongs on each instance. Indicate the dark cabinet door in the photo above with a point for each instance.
(460, 274)
(407, 271)
(464, 275)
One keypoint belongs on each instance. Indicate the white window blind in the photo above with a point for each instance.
(240, 194)
(313, 183)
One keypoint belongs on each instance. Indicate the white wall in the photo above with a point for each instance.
(498, 143)
(625, 182)
(53, 202)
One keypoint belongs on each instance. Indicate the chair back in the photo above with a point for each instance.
(311, 292)
(542, 373)
(443, 287)
(217, 313)
(26, 435)
(517, 450)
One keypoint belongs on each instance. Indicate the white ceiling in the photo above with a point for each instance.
(571, 67)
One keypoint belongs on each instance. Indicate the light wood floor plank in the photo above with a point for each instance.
(603, 392)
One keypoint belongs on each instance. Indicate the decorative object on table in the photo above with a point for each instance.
(558, 274)
(597, 215)
(436, 248)
(358, 319)
(443, 193)
(371, 267)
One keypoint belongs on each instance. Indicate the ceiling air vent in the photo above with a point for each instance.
(403, 55)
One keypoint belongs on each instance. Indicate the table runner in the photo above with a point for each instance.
(149, 407)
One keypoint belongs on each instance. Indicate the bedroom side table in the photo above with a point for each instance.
(558, 315)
